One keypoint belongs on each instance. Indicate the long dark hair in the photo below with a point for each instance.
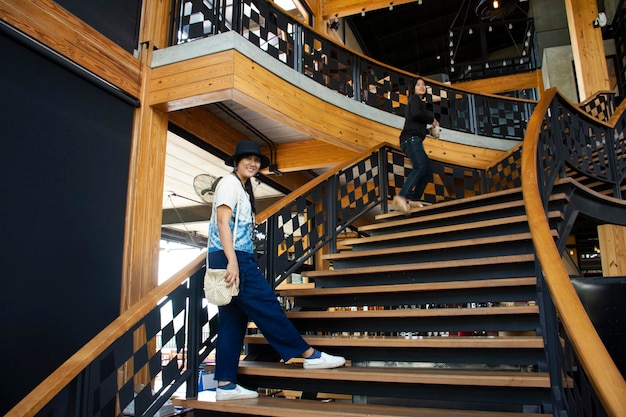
(412, 85)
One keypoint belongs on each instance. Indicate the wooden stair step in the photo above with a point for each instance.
(282, 407)
(446, 229)
(456, 263)
(408, 375)
(417, 312)
(424, 216)
(460, 342)
(453, 203)
(490, 240)
(417, 287)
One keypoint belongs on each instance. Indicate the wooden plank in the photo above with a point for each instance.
(396, 288)
(455, 244)
(61, 31)
(342, 8)
(455, 202)
(411, 375)
(282, 407)
(502, 84)
(460, 342)
(420, 266)
(440, 216)
(416, 313)
(587, 47)
(445, 229)
(612, 239)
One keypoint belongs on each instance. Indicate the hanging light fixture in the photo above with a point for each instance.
(495, 9)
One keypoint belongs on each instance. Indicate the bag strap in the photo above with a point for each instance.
(213, 213)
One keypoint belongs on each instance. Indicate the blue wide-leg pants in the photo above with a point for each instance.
(257, 302)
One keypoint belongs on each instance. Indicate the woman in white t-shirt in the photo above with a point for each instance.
(231, 247)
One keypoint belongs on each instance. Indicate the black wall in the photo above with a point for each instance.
(65, 147)
(118, 20)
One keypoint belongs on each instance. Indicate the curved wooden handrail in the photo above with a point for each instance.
(604, 376)
(70, 369)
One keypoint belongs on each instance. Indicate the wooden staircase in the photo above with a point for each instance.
(437, 312)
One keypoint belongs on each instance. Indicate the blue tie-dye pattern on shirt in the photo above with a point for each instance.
(230, 192)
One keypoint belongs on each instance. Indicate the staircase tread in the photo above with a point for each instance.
(419, 266)
(495, 342)
(445, 229)
(403, 375)
(451, 203)
(442, 215)
(405, 313)
(414, 287)
(283, 407)
(424, 216)
(431, 246)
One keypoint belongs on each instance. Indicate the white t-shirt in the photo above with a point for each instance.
(230, 192)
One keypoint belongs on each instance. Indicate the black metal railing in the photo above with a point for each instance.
(133, 375)
(346, 72)
(311, 220)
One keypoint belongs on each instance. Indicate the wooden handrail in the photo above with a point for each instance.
(604, 376)
(70, 369)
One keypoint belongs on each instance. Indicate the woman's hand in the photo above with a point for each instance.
(232, 274)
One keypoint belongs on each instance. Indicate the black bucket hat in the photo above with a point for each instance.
(246, 148)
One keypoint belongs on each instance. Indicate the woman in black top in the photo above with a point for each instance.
(417, 117)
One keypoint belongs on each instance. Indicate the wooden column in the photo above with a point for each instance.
(146, 174)
(613, 250)
(587, 46)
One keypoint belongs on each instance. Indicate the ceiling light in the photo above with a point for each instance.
(363, 12)
(470, 31)
(495, 4)
(391, 6)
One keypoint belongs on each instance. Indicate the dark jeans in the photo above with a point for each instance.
(256, 301)
(422, 172)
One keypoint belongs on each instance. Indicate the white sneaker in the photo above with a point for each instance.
(239, 393)
(325, 361)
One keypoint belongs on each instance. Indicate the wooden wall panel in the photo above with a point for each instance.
(191, 83)
(63, 32)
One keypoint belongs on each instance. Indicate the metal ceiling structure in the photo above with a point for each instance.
(424, 36)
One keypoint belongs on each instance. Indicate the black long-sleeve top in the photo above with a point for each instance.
(417, 117)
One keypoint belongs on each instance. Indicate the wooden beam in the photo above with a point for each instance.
(342, 8)
(53, 26)
(588, 48)
(309, 154)
(612, 239)
(503, 84)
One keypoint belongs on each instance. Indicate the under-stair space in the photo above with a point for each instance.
(437, 312)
